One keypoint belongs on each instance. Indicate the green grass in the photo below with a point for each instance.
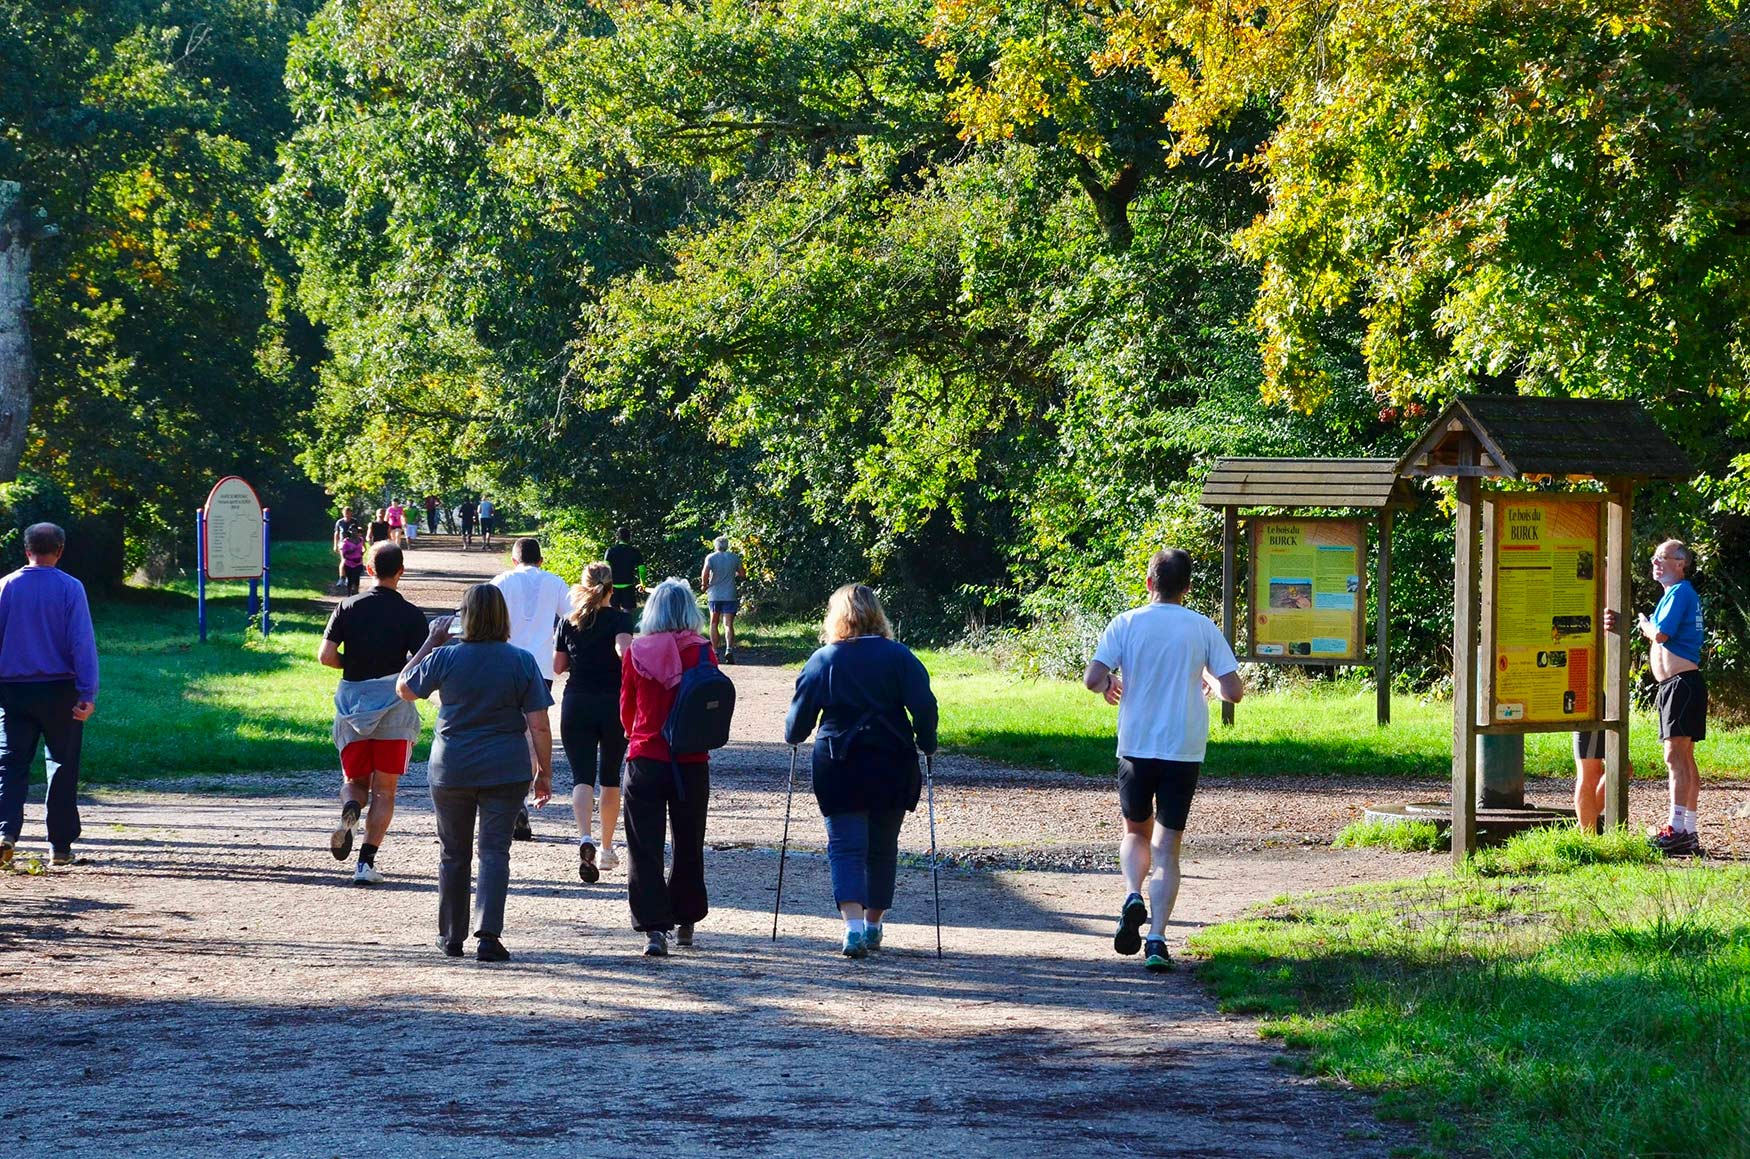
(1314, 730)
(1597, 1010)
(1403, 836)
(169, 706)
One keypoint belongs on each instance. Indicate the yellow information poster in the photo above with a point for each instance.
(1544, 595)
(1307, 597)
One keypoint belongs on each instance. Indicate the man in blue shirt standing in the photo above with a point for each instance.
(48, 688)
(1674, 634)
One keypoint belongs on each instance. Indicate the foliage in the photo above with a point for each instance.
(1561, 849)
(1403, 836)
(1610, 1001)
(144, 132)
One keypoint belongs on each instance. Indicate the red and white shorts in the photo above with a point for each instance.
(361, 758)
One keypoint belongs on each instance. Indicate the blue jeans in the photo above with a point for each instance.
(31, 712)
(863, 851)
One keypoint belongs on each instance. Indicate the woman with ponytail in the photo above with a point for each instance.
(587, 648)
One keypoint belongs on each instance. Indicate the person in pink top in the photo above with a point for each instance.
(397, 517)
(655, 796)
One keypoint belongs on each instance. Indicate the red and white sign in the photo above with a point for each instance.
(234, 531)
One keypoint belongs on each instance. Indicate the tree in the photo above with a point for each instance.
(145, 131)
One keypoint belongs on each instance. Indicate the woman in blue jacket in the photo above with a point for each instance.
(873, 702)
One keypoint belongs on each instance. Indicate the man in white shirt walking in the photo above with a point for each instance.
(537, 600)
(1158, 663)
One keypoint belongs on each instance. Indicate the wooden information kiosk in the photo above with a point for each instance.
(1306, 601)
(1554, 561)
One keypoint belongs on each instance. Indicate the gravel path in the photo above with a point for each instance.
(210, 981)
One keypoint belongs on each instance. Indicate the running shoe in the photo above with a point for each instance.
(872, 936)
(683, 935)
(729, 656)
(450, 949)
(1131, 919)
(1158, 960)
(607, 859)
(340, 841)
(367, 874)
(1672, 843)
(5, 855)
(856, 945)
(586, 866)
(657, 946)
(62, 855)
(523, 831)
(491, 949)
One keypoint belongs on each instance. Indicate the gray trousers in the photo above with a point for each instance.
(497, 807)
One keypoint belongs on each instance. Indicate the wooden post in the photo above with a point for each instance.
(1381, 644)
(1230, 538)
(1466, 573)
(1618, 594)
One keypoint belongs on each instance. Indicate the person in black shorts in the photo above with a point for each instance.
(588, 646)
(1157, 663)
(627, 563)
(469, 514)
(1589, 780)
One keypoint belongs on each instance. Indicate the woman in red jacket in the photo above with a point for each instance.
(660, 792)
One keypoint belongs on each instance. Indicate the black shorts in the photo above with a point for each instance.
(1682, 703)
(1589, 746)
(1154, 788)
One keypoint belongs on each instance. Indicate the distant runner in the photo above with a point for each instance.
(432, 503)
(397, 517)
(486, 512)
(718, 577)
(369, 638)
(468, 512)
(628, 564)
(352, 561)
(1157, 663)
(341, 526)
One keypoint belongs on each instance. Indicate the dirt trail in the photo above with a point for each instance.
(210, 980)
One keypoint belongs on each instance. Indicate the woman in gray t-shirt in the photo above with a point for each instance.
(493, 702)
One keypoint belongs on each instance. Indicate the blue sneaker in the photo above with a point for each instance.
(872, 938)
(856, 945)
(1159, 961)
(1131, 919)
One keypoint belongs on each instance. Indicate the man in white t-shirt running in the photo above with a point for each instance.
(537, 600)
(1158, 663)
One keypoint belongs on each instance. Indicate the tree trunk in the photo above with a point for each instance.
(1111, 202)
(17, 366)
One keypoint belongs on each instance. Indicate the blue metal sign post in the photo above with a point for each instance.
(200, 569)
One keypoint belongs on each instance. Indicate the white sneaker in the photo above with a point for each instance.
(367, 874)
(606, 858)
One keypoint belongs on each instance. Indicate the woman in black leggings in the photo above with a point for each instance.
(587, 647)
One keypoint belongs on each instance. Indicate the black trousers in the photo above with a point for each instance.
(651, 805)
(33, 711)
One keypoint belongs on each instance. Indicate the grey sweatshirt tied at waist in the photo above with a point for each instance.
(371, 710)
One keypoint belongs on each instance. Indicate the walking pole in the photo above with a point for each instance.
(784, 848)
(935, 864)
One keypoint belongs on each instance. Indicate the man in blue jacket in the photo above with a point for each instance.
(48, 688)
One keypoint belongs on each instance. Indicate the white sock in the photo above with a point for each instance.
(1686, 820)
(586, 840)
(856, 926)
(1675, 818)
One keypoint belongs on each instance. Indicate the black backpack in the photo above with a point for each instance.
(698, 721)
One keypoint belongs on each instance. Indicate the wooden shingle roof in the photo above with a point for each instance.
(1305, 483)
(1516, 437)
